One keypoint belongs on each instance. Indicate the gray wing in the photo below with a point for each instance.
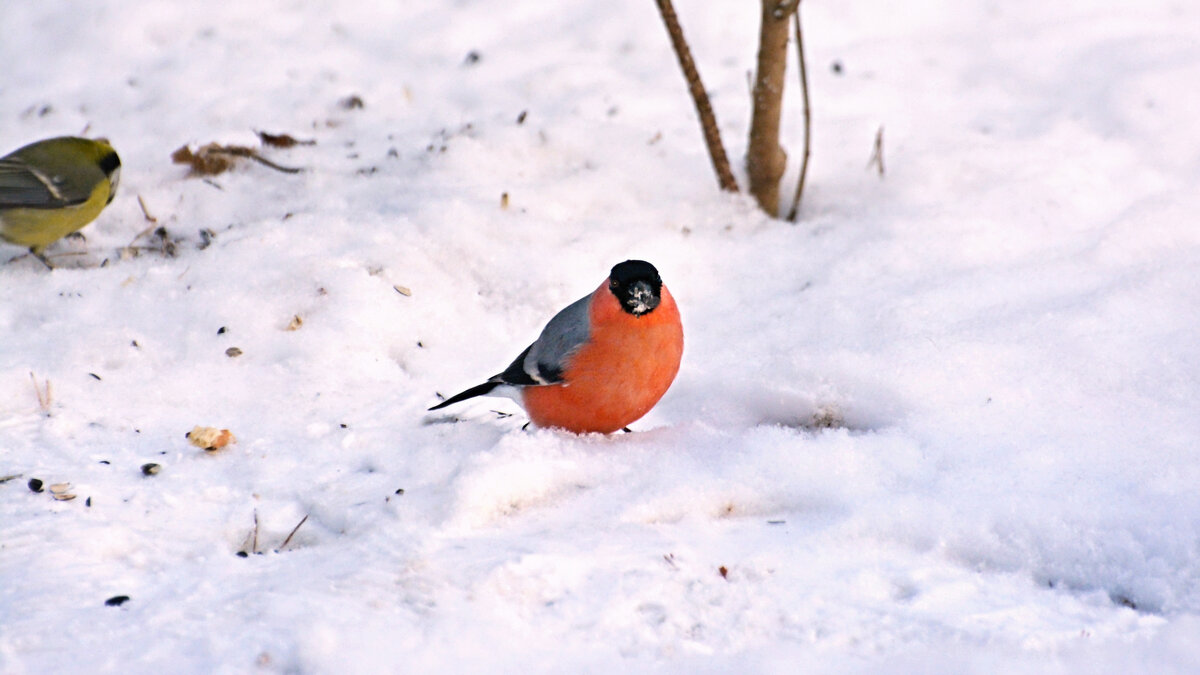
(21, 186)
(544, 361)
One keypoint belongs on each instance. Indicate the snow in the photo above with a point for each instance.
(946, 423)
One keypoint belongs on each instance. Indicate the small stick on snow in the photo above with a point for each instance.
(44, 397)
(877, 153)
(293, 532)
(268, 163)
(146, 213)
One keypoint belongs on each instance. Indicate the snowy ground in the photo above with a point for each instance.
(1005, 325)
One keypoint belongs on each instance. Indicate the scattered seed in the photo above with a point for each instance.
(35, 484)
(504, 200)
(151, 469)
(206, 237)
(724, 572)
(63, 496)
(243, 554)
(521, 117)
(116, 600)
(221, 330)
(233, 352)
(473, 57)
(295, 323)
(400, 491)
(352, 102)
(88, 502)
(403, 290)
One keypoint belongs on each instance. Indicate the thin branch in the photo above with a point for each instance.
(293, 532)
(807, 116)
(254, 543)
(877, 154)
(708, 121)
(145, 212)
(44, 397)
(268, 163)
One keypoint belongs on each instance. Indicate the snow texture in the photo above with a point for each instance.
(947, 423)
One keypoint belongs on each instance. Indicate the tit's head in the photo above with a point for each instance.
(106, 158)
(637, 286)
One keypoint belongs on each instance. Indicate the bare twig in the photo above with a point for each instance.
(765, 159)
(807, 115)
(708, 120)
(268, 163)
(877, 154)
(44, 396)
(293, 532)
(151, 228)
(145, 212)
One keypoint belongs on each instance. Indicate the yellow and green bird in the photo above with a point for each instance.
(51, 188)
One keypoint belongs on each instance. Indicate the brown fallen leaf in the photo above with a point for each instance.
(282, 140)
(202, 162)
(214, 158)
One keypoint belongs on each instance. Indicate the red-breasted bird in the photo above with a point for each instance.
(601, 363)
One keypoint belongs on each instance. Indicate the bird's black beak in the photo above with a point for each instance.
(640, 298)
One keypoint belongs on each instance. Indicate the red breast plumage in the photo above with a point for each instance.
(604, 361)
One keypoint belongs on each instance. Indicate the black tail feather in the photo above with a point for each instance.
(477, 390)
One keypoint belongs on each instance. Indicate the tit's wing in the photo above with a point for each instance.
(23, 186)
(544, 361)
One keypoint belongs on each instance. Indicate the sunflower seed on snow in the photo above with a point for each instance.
(61, 492)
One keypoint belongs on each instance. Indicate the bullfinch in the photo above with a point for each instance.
(602, 362)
